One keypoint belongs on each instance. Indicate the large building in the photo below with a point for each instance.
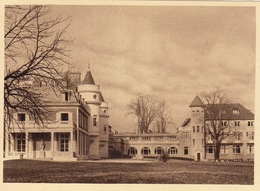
(192, 140)
(78, 129)
(77, 126)
(238, 142)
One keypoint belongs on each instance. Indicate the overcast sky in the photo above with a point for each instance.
(173, 52)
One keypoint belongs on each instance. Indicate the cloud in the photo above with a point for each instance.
(173, 52)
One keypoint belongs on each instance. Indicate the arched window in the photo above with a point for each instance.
(173, 151)
(158, 151)
(146, 151)
(132, 151)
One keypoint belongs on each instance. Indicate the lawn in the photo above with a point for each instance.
(172, 172)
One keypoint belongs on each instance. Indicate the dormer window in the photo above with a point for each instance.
(237, 123)
(236, 111)
(66, 96)
(250, 123)
(95, 96)
(224, 123)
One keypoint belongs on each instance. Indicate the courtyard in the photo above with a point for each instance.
(129, 171)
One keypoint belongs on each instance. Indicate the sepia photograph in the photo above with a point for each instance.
(129, 94)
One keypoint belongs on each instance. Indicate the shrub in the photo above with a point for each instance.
(164, 156)
(115, 154)
(127, 156)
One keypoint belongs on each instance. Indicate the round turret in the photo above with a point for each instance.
(197, 108)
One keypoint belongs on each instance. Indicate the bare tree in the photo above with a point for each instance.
(145, 108)
(35, 51)
(217, 119)
(163, 117)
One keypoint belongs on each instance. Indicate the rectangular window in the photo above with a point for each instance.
(193, 129)
(236, 149)
(224, 149)
(20, 142)
(250, 149)
(202, 142)
(186, 150)
(250, 135)
(105, 128)
(193, 142)
(238, 136)
(21, 116)
(198, 129)
(64, 117)
(95, 120)
(210, 149)
(185, 134)
(64, 142)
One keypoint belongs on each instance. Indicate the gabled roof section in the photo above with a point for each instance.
(197, 102)
(88, 78)
(186, 122)
(234, 111)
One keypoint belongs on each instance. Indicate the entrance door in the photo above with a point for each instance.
(41, 144)
(198, 156)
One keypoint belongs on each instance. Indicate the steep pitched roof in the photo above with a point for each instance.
(88, 78)
(186, 122)
(197, 102)
(102, 98)
(233, 111)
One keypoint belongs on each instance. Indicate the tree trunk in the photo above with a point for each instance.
(217, 151)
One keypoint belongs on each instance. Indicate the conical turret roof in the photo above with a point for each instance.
(88, 78)
(197, 102)
(102, 98)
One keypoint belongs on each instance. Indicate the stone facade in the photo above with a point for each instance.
(192, 141)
